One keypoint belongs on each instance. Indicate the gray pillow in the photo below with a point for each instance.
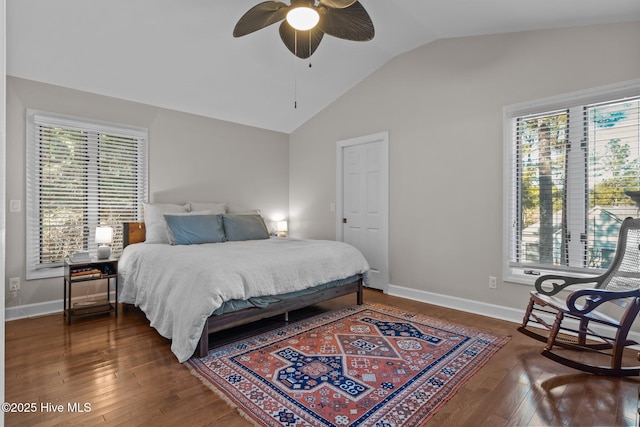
(195, 229)
(244, 227)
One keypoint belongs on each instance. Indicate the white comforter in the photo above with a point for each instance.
(178, 287)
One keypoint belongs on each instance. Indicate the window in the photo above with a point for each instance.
(80, 174)
(570, 161)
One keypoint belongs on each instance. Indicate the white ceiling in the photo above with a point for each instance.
(181, 55)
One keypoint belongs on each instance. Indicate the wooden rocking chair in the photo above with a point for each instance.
(576, 316)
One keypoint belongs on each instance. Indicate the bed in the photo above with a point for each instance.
(188, 291)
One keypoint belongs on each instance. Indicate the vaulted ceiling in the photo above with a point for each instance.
(181, 55)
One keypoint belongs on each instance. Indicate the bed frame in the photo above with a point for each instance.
(134, 232)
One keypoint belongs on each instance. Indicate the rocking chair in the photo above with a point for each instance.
(584, 328)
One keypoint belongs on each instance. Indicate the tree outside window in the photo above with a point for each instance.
(570, 170)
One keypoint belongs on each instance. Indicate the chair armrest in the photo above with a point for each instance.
(596, 297)
(564, 281)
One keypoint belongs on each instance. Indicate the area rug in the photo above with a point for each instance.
(367, 365)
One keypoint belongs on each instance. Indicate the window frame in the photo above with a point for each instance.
(34, 268)
(569, 101)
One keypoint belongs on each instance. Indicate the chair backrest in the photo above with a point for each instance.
(624, 272)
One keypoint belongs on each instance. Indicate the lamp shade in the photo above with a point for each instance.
(281, 226)
(104, 235)
(303, 18)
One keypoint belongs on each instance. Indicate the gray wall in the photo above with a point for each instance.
(190, 158)
(442, 104)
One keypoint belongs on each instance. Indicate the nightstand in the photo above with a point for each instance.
(85, 271)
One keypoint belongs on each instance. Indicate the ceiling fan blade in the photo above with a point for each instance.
(350, 23)
(301, 43)
(260, 16)
(337, 4)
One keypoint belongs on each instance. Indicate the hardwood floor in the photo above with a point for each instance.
(126, 374)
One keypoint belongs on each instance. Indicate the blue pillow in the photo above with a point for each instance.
(244, 227)
(195, 229)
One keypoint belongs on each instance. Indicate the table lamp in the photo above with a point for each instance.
(104, 237)
(281, 228)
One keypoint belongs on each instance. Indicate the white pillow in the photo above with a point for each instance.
(239, 210)
(214, 208)
(154, 221)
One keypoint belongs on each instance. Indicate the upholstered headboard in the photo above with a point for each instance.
(133, 232)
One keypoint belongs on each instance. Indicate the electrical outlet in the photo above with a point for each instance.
(14, 284)
(493, 282)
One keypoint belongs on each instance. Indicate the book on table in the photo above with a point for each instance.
(86, 273)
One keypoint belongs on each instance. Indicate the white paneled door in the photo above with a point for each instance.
(364, 219)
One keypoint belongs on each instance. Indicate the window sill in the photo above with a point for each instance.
(45, 273)
(520, 278)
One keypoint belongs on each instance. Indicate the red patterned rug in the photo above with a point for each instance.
(366, 365)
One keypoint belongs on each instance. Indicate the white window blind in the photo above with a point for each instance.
(80, 174)
(571, 160)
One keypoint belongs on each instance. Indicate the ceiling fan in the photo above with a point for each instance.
(305, 23)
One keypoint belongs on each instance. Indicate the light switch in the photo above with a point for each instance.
(15, 205)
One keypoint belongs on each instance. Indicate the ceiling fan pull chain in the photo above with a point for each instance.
(295, 75)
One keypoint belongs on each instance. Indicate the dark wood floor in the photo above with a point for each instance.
(127, 374)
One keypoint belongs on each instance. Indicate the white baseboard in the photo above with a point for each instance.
(476, 307)
(469, 306)
(42, 308)
(32, 310)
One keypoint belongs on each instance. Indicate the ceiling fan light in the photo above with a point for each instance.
(303, 18)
